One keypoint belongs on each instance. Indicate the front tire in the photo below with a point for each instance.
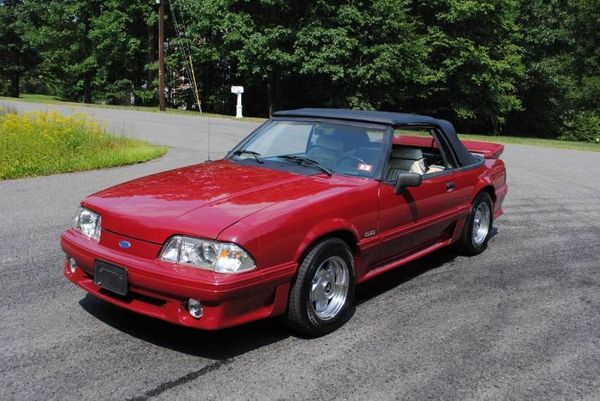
(321, 297)
(478, 228)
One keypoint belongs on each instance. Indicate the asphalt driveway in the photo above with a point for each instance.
(521, 321)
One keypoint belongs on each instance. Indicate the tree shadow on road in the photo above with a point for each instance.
(392, 279)
(396, 277)
(218, 345)
(229, 343)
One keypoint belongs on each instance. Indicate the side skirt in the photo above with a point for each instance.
(404, 260)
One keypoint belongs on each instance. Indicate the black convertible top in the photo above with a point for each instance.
(465, 158)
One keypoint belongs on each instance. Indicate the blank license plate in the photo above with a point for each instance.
(110, 277)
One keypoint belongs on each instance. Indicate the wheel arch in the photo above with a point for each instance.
(485, 186)
(490, 190)
(345, 232)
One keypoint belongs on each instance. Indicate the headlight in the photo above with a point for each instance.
(211, 255)
(88, 223)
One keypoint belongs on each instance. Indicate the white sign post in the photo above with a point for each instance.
(238, 90)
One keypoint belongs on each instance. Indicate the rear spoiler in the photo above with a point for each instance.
(488, 150)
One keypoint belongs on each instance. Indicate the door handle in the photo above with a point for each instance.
(449, 186)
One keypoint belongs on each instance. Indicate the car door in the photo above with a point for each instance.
(421, 216)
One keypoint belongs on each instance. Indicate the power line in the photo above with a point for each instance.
(185, 49)
(186, 52)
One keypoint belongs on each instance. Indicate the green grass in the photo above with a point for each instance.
(36, 98)
(46, 99)
(43, 143)
(549, 143)
(517, 140)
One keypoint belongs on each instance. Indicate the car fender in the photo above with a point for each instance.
(493, 177)
(322, 229)
(242, 234)
(483, 182)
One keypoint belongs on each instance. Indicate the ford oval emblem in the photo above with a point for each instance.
(124, 244)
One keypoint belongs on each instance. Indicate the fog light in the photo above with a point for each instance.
(195, 308)
(72, 265)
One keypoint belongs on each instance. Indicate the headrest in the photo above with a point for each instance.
(352, 130)
(329, 142)
(407, 153)
(354, 137)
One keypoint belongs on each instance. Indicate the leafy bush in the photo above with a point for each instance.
(145, 97)
(32, 83)
(583, 127)
(589, 97)
(4, 87)
(42, 143)
(119, 92)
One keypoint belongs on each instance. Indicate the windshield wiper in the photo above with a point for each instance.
(252, 153)
(306, 160)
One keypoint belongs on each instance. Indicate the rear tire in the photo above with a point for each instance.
(478, 228)
(322, 295)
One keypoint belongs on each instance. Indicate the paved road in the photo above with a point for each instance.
(521, 321)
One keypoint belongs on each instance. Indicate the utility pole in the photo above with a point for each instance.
(161, 54)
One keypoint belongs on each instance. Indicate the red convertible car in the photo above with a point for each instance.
(310, 204)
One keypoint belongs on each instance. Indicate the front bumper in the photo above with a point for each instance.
(160, 290)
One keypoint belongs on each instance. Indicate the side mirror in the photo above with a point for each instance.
(408, 180)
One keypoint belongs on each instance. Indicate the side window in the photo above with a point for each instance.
(407, 131)
(375, 137)
(444, 150)
(417, 150)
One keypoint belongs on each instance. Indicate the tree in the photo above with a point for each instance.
(253, 40)
(562, 58)
(119, 35)
(474, 58)
(96, 48)
(546, 90)
(521, 67)
(18, 54)
(360, 54)
(584, 27)
(66, 46)
(336, 53)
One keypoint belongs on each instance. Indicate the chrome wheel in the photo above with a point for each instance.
(329, 288)
(481, 223)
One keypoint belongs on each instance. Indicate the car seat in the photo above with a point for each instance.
(405, 160)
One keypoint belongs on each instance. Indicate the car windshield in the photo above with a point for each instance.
(333, 147)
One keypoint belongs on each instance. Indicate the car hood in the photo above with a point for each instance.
(200, 200)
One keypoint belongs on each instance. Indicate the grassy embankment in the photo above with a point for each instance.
(550, 143)
(44, 143)
(52, 100)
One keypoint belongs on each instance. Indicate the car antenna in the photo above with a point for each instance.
(209, 134)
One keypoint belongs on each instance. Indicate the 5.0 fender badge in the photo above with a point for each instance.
(124, 244)
(370, 233)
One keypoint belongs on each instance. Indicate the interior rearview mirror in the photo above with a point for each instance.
(408, 180)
